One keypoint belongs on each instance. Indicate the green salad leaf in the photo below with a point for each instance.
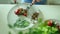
(21, 24)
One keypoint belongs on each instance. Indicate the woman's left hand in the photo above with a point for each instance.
(35, 1)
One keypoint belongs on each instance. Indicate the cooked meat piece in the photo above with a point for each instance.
(35, 15)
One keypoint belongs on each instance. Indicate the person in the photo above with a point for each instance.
(38, 2)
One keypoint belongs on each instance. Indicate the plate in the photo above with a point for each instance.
(12, 17)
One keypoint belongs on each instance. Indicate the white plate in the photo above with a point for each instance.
(12, 17)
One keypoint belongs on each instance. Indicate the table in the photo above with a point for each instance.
(49, 12)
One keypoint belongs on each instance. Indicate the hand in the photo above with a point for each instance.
(35, 1)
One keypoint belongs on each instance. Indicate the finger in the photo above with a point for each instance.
(38, 0)
(33, 1)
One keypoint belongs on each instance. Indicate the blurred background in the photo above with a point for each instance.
(49, 2)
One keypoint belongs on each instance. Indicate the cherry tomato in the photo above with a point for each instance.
(58, 27)
(17, 12)
(50, 23)
(25, 14)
